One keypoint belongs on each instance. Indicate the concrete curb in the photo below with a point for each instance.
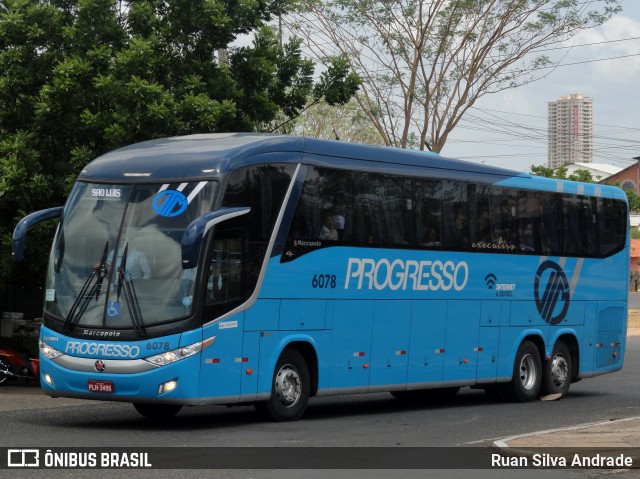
(504, 442)
(619, 438)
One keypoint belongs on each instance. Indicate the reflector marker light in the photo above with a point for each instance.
(401, 352)
(358, 355)
(439, 351)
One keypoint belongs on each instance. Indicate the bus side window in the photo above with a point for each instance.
(428, 212)
(325, 207)
(528, 223)
(552, 231)
(384, 210)
(455, 233)
(612, 225)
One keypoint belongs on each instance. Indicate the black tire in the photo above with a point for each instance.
(157, 411)
(290, 388)
(527, 374)
(556, 376)
(426, 396)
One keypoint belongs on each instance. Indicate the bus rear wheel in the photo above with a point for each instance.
(527, 374)
(557, 371)
(289, 388)
(157, 411)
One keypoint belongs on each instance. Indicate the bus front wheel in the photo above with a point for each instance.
(157, 411)
(289, 388)
(527, 374)
(557, 371)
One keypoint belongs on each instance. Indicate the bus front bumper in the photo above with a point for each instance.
(175, 383)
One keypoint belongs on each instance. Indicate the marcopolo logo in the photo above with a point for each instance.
(170, 203)
(552, 292)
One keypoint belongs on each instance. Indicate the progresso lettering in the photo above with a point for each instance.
(100, 350)
(367, 273)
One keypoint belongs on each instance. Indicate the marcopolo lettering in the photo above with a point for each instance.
(98, 349)
(367, 273)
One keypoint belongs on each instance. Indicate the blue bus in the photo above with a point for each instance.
(268, 269)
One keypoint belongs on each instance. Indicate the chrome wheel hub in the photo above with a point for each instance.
(288, 386)
(559, 370)
(528, 373)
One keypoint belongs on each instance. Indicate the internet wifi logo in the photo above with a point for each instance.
(490, 279)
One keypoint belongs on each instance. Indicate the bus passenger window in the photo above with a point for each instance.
(428, 212)
(455, 233)
(384, 211)
(325, 207)
(528, 222)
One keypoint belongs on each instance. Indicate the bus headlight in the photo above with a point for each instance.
(47, 351)
(169, 357)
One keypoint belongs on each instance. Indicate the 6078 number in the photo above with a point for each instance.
(323, 281)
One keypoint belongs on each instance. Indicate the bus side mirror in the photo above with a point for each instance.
(192, 237)
(25, 224)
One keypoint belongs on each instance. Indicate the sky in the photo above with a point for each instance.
(509, 129)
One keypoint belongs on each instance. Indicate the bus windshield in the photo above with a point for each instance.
(116, 260)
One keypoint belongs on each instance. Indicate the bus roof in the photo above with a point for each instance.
(199, 155)
(205, 155)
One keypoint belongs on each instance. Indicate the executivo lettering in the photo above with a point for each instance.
(99, 350)
(402, 275)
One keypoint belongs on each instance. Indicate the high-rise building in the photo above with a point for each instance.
(570, 130)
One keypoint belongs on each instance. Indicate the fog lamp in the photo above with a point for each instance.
(167, 387)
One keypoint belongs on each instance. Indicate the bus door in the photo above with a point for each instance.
(223, 362)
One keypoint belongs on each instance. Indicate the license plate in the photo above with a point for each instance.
(100, 386)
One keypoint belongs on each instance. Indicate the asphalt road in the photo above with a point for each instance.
(30, 419)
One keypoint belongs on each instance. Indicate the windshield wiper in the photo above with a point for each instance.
(88, 290)
(130, 293)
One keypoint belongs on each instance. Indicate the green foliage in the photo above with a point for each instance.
(584, 176)
(81, 77)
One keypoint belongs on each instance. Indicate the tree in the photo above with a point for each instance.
(584, 176)
(343, 122)
(82, 77)
(425, 63)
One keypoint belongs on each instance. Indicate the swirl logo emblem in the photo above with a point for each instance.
(552, 292)
(170, 203)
